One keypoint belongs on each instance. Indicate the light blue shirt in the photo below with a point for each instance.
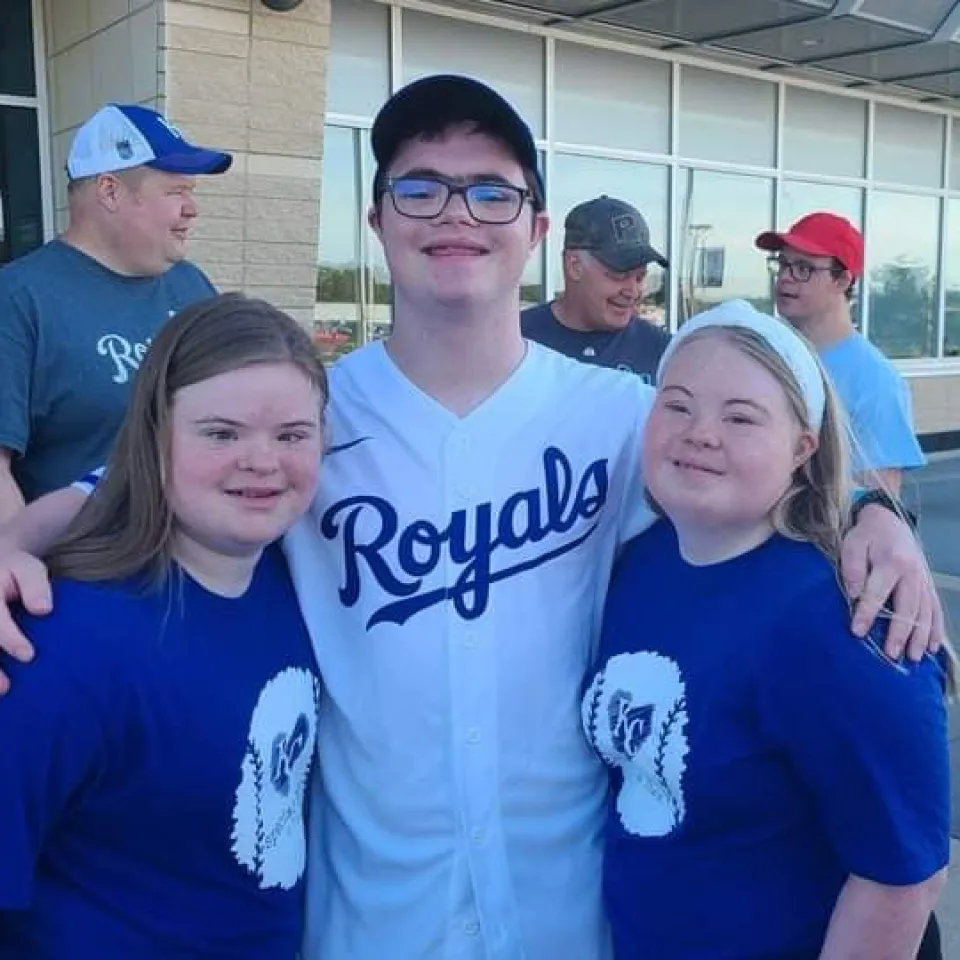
(877, 400)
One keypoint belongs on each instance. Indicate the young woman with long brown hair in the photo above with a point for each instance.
(156, 754)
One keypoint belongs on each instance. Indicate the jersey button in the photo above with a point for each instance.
(472, 928)
(473, 735)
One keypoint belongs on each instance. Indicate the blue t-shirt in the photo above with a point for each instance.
(155, 757)
(877, 400)
(759, 753)
(72, 335)
(637, 348)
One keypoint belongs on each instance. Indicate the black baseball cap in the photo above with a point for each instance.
(613, 231)
(434, 103)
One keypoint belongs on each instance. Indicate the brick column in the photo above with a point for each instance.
(238, 76)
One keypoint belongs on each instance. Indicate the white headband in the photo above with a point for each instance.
(780, 336)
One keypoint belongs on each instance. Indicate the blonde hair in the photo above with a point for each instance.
(126, 527)
(816, 508)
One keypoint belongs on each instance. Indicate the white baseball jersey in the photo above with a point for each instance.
(452, 573)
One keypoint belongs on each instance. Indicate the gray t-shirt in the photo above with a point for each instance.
(72, 335)
(637, 348)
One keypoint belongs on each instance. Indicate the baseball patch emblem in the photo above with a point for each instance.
(624, 228)
(635, 716)
(268, 833)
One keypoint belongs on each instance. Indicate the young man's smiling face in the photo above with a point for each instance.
(453, 258)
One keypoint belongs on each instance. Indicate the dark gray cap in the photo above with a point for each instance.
(613, 231)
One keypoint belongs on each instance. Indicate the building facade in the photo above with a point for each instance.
(713, 141)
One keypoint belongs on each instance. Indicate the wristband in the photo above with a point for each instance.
(863, 498)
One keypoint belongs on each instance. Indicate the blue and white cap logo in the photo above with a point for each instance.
(121, 136)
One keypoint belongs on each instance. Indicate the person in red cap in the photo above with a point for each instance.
(818, 262)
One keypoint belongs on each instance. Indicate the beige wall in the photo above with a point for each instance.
(252, 81)
(936, 403)
(97, 50)
(231, 74)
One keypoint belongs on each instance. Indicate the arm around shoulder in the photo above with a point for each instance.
(40, 524)
(23, 578)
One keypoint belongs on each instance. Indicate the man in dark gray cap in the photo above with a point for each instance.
(606, 253)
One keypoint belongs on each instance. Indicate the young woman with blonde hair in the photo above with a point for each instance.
(779, 787)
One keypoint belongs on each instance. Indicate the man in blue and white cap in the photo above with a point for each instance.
(77, 315)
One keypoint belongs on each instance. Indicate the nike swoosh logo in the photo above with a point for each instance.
(338, 448)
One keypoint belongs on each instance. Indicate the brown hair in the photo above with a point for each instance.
(126, 526)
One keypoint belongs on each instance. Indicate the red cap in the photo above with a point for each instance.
(820, 235)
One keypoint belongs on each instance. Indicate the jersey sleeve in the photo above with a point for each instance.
(18, 345)
(884, 430)
(52, 740)
(868, 737)
(88, 482)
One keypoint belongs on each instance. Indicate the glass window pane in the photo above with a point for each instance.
(531, 283)
(798, 198)
(643, 185)
(337, 312)
(902, 234)
(358, 65)
(378, 291)
(727, 118)
(824, 134)
(951, 338)
(611, 99)
(16, 49)
(720, 216)
(908, 146)
(21, 204)
(955, 156)
(511, 62)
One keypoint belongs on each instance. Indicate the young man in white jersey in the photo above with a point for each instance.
(453, 570)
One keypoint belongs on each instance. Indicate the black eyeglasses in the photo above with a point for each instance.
(423, 198)
(798, 270)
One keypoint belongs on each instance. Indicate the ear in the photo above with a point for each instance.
(373, 219)
(573, 264)
(844, 280)
(109, 190)
(806, 447)
(539, 228)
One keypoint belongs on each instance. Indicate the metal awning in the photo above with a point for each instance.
(909, 48)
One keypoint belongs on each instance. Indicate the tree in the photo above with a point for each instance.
(901, 309)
